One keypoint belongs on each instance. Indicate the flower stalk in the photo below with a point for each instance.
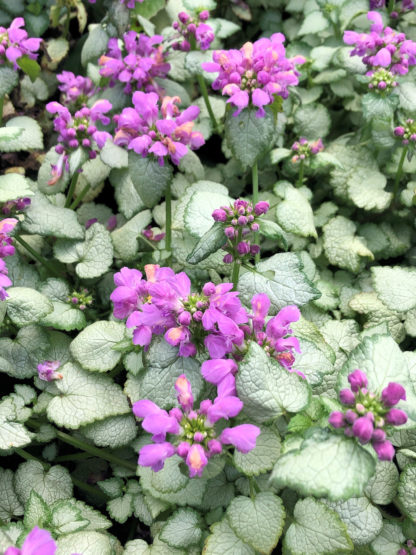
(399, 174)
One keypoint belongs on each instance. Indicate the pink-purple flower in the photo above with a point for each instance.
(47, 370)
(382, 47)
(240, 221)
(137, 63)
(193, 31)
(75, 87)
(78, 130)
(255, 74)
(15, 43)
(14, 206)
(159, 131)
(37, 542)
(407, 133)
(6, 249)
(304, 149)
(368, 415)
(195, 437)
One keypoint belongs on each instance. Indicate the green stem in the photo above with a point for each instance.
(37, 256)
(236, 273)
(301, 172)
(145, 240)
(28, 457)
(71, 189)
(204, 92)
(89, 489)
(399, 174)
(67, 21)
(80, 197)
(255, 180)
(168, 222)
(390, 7)
(73, 457)
(1, 109)
(95, 451)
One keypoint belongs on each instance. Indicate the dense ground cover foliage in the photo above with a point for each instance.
(207, 277)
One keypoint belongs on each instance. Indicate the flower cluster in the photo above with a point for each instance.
(382, 80)
(81, 299)
(165, 134)
(406, 132)
(383, 47)
(193, 30)
(304, 148)
(164, 304)
(47, 370)
(15, 206)
(78, 130)
(75, 88)
(6, 249)
(240, 220)
(406, 6)
(137, 63)
(14, 43)
(255, 73)
(130, 3)
(410, 548)
(37, 542)
(369, 414)
(196, 436)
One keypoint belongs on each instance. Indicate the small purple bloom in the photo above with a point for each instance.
(363, 429)
(384, 450)
(154, 455)
(37, 542)
(347, 397)
(243, 437)
(184, 391)
(396, 417)
(47, 370)
(392, 394)
(196, 460)
(358, 380)
(336, 419)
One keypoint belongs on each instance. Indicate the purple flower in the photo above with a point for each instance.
(347, 397)
(255, 73)
(382, 47)
(75, 87)
(384, 450)
(243, 437)
(392, 394)
(214, 371)
(78, 130)
(396, 417)
(192, 30)
(140, 61)
(168, 134)
(336, 419)
(196, 437)
(358, 380)
(14, 43)
(37, 542)
(47, 370)
(363, 429)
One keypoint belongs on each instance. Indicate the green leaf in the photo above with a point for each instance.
(29, 66)
(248, 136)
(67, 518)
(44, 175)
(312, 121)
(407, 96)
(9, 78)
(371, 197)
(87, 543)
(51, 485)
(390, 539)
(125, 239)
(314, 22)
(112, 432)
(149, 8)
(145, 171)
(182, 529)
(93, 256)
(198, 212)
(61, 222)
(13, 186)
(64, 317)
(95, 45)
(113, 487)
(27, 306)
(37, 512)
(10, 505)
(362, 519)
(84, 398)
(342, 247)
(313, 362)
(382, 487)
(263, 457)
(281, 278)
(114, 156)
(210, 242)
(382, 360)
(223, 540)
(20, 357)
(396, 287)
(121, 508)
(30, 138)
(93, 347)
(316, 529)
(325, 465)
(258, 522)
(294, 213)
(407, 491)
(267, 389)
(272, 230)
(128, 201)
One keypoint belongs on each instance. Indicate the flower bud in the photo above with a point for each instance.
(185, 318)
(204, 15)
(183, 17)
(261, 207)
(396, 417)
(219, 215)
(392, 394)
(357, 379)
(399, 131)
(336, 419)
(214, 447)
(208, 289)
(229, 232)
(384, 450)
(243, 248)
(183, 449)
(228, 259)
(255, 227)
(242, 220)
(347, 397)
(351, 416)
(363, 429)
